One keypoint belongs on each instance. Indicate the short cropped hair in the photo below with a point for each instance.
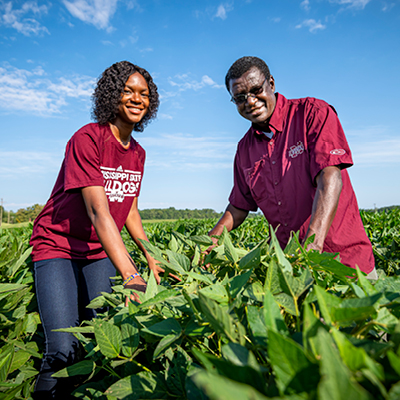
(107, 94)
(244, 64)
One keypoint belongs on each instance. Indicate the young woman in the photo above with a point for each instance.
(76, 238)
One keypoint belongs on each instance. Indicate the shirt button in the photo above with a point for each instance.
(276, 183)
(271, 143)
(273, 162)
(279, 203)
(285, 224)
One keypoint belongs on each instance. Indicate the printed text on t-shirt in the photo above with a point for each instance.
(120, 183)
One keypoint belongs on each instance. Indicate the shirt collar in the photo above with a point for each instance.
(277, 117)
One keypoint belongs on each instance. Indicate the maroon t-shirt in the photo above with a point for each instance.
(278, 176)
(93, 157)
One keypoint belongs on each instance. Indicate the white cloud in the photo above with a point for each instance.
(352, 3)
(164, 116)
(222, 11)
(14, 164)
(377, 152)
(305, 4)
(32, 92)
(186, 151)
(95, 12)
(184, 82)
(312, 24)
(21, 19)
(387, 6)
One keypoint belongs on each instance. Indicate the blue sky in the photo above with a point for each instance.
(345, 52)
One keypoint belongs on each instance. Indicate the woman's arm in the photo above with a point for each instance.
(135, 228)
(109, 236)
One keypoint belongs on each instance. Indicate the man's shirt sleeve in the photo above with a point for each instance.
(240, 196)
(326, 141)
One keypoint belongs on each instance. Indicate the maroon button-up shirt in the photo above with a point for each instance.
(278, 175)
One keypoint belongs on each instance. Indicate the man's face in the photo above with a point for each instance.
(258, 108)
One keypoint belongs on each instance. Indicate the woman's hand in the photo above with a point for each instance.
(158, 270)
(137, 283)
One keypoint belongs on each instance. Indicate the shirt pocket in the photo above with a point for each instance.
(257, 181)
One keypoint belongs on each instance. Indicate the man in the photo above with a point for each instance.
(292, 165)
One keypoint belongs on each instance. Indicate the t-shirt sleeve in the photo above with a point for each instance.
(240, 196)
(326, 140)
(82, 162)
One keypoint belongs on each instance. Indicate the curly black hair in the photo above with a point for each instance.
(244, 64)
(107, 95)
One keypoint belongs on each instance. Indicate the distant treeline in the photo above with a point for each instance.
(22, 215)
(388, 208)
(30, 213)
(172, 213)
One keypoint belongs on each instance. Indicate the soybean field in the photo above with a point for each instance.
(247, 321)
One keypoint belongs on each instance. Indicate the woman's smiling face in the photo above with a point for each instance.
(134, 100)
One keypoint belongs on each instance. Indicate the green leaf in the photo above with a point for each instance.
(221, 388)
(272, 314)
(200, 277)
(356, 358)
(326, 262)
(108, 337)
(216, 292)
(203, 240)
(251, 259)
(272, 281)
(240, 356)
(337, 382)
(255, 291)
(327, 302)
(294, 371)
(282, 260)
(144, 385)
(237, 283)
(6, 359)
(17, 265)
(165, 343)
(151, 288)
(129, 336)
(160, 297)
(19, 359)
(218, 317)
(311, 324)
(163, 328)
(11, 287)
(178, 259)
(230, 251)
(238, 365)
(84, 367)
(394, 361)
(256, 320)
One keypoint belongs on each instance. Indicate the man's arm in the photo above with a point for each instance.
(326, 200)
(109, 236)
(232, 218)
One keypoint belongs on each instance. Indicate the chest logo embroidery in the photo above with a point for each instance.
(296, 150)
(120, 183)
(338, 152)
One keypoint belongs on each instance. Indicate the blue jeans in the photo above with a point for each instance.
(64, 288)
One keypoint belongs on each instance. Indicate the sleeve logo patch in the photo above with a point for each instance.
(338, 152)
